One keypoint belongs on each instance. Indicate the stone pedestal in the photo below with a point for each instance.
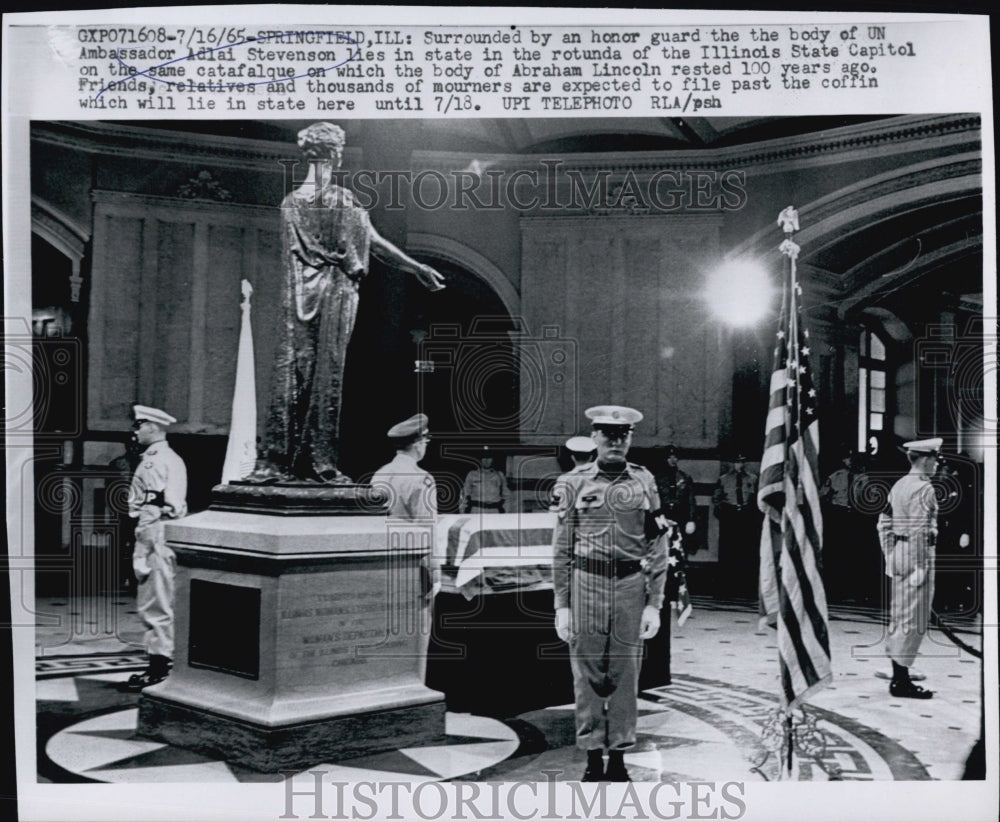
(298, 640)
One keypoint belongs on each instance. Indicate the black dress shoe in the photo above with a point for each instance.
(909, 690)
(595, 767)
(617, 772)
(137, 682)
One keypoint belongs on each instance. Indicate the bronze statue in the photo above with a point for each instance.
(326, 242)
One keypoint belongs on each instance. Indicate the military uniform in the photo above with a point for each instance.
(485, 489)
(735, 501)
(606, 569)
(676, 490)
(412, 490)
(412, 502)
(158, 493)
(907, 530)
(908, 533)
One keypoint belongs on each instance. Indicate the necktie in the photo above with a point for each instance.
(739, 488)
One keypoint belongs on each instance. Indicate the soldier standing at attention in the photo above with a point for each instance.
(485, 487)
(412, 490)
(412, 497)
(735, 501)
(907, 531)
(609, 570)
(158, 493)
(676, 489)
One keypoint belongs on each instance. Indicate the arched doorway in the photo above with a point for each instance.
(471, 396)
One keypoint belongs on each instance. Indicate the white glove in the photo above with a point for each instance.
(689, 528)
(562, 623)
(435, 590)
(650, 622)
(963, 541)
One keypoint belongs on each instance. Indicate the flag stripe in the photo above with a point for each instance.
(807, 599)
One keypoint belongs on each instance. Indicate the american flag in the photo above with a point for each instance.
(791, 590)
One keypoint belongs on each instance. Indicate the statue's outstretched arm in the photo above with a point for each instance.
(389, 254)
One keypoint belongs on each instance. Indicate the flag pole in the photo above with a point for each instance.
(791, 587)
(789, 222)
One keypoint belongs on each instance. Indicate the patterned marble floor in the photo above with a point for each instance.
(706, 725)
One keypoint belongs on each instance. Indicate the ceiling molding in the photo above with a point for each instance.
(861, 141)
(839, 145)
(854, 276)
(71, 233)
(113, 139)
(910, 273)
(893, 189)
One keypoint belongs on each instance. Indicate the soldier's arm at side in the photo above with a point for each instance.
(421, 498)
(562, 546)
(691, 506)
(466, 501)
(175, 490)
(718, 497)
(421, 503)
(884, 526)
(656, 549)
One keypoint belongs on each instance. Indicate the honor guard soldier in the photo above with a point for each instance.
(676, 489)
(609, 569)
(158, 493)
(735, 501)
(412, 490)
(485, 487)
(412, 498)
(907, 530)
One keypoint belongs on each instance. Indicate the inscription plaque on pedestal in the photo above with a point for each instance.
(224, 632)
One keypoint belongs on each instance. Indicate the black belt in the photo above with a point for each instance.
(930, 539)
(475, 504)
(617, 568)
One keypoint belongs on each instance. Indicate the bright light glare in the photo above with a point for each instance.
(739, 293)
